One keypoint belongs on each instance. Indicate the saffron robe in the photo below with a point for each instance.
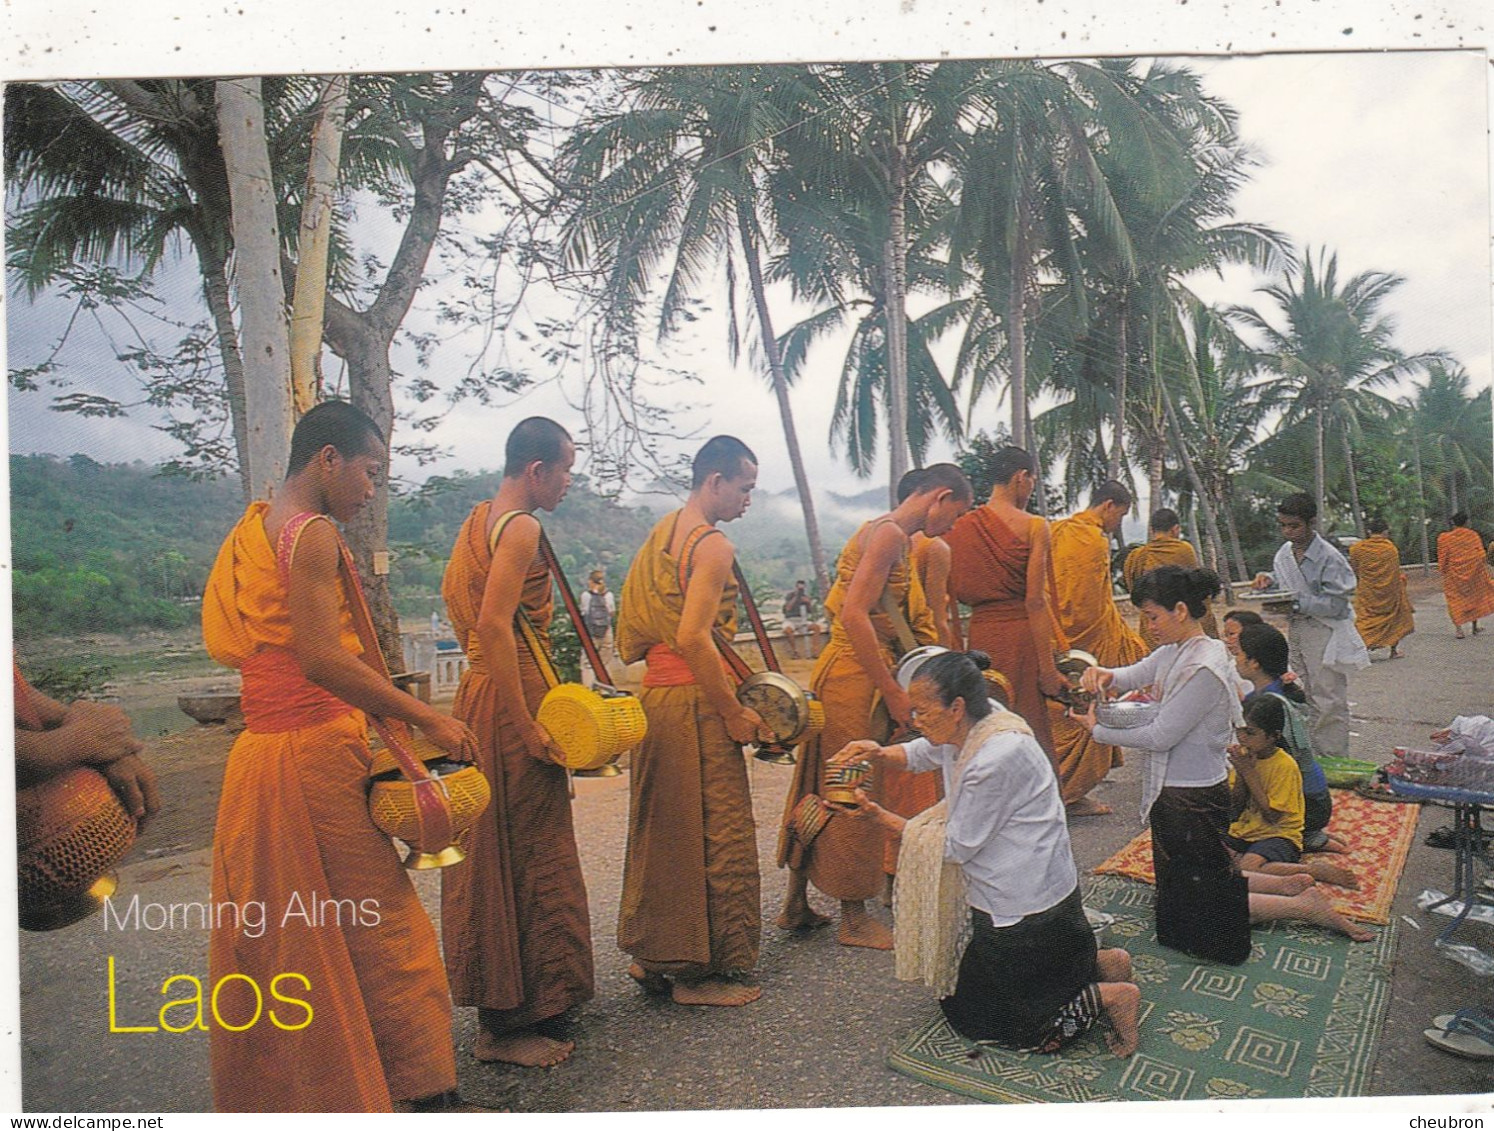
(1087, 614)
(909, 794)
(1465, 575)
(1382, 607)
(514, 918)
(988, 572)
(1163, 549)
(294, 833)
(846, 860)
(691, 902)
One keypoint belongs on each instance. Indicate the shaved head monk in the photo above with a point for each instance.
(514, 918)
(691, 915)
(1465, 575)
(1165, 546)
(1086, 612)
(294, 831)
(999, 566)
(841, 853)
(1383, 614)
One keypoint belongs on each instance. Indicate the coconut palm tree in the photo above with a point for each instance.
(676, 177)
(1452, 429)
(1333, 349)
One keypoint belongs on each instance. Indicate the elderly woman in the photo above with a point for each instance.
(1204, 905)
(1031, 976)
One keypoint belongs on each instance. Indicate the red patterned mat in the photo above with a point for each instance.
(1378, 836)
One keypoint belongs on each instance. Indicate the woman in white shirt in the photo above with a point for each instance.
(1204, 906)
(1031, 976)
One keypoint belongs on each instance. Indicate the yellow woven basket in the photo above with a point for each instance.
(71, 831)
(391, 805)
(592, 726)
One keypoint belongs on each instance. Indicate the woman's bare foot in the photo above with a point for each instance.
(1317, 908)
(651, 982)
(1114, 964)
(1122, 1003)
(857, 928)
(1332, 872)
(1459, 635)
(1266, 883)
(1087, 807)
(715, 991)
(525, 1047)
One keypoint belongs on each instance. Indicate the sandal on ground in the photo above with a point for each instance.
(1378, 791)
(1446, 837)
(1469, 1033)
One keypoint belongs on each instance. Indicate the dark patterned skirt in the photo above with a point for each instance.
(1028, 985)
(1203, 904)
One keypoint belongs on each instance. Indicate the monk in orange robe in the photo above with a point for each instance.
(514, 917)
(905, 793)
(1382, 608)
(370, 1023)
(843, 855)
(1165, 547)
(691, 915)
(1087, 613)
(1465, 574)
(999, 567)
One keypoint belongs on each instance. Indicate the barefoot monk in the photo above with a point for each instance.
(514, 916)
(690, 913)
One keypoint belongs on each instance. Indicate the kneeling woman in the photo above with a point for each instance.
(1031, 976)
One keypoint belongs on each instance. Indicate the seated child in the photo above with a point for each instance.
(1267, 792)
(1262, 660)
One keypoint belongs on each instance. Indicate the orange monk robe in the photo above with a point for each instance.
(1465, 575)
(1087, 614)
(908, 794)
(294, 834)
(691, 895)
(988, 572)
(1382, 607)
(514, 918)
(1163, 549)
(846, 859)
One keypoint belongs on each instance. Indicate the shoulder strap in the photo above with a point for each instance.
(527, 632)
(684, 568)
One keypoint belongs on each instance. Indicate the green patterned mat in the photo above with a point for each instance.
(1301, 1017)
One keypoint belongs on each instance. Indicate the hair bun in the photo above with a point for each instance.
(979, 659)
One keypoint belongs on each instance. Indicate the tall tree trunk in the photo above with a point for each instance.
(1039, 489)
(1192, 519)
(1211, 521)
(1421, 500)
(1118, 422)
(215, 289)
(1156, 465)
(781, 392)
(1320, 490)
(1016, 328)
(1353, 484)
(895, 263)
(1242, 571)
(313, 243)
(256, 238)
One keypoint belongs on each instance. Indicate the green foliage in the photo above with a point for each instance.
(69, 680)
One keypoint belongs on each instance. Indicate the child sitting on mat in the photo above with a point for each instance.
(1261, 659)
(1266, 788)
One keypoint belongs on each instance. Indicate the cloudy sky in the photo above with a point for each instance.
(1381, 157)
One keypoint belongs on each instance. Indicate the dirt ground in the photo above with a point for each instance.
(828, 1015)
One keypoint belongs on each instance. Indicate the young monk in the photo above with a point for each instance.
(1465, 575)
(514, 917)
(293, 823)
(1086, 610)
(844, 858)
(999, 567)
(691, 915)
(1382, 608)
(1164, 546)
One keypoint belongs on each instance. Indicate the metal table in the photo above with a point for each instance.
(1469, 838)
